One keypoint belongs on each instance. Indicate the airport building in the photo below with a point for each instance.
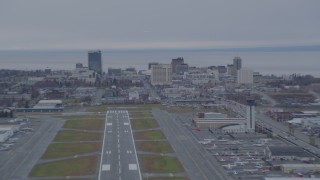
(289, 153)
(44, 106)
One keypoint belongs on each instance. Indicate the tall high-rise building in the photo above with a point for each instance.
(176, 62)
(161, 74)
(237, 65)
(94, 61)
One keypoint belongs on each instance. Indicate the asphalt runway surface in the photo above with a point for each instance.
(118, 157)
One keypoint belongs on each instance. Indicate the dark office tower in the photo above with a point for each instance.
(237, 65)
(94, 61)
(176, 62)
(151, 64)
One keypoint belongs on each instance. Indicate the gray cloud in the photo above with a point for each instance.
(38, 24)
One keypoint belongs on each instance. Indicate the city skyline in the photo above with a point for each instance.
(144, 25)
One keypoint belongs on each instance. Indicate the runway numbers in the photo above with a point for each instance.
(133, 167)
(106, 167)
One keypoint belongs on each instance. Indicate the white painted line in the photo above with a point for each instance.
(102, 150)
(108, 152)
(105, 167)
(109, 124)
(126, 124)
(134, 147)
(119, 157)
(133, 167)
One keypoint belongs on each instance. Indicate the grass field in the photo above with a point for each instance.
(149, 135)
(84, 117)
(166, 178)
(154, 146)
(147, 123)
(71, 167)
(70, 136)
(100, 108)
(93, 124)
(58, 150)
(160, 164)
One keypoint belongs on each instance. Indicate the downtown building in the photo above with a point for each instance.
(161, 74)
(237, 65)
(95, 61)
(176, 62)
(245, 76)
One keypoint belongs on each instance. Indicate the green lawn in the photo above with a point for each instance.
(83, 117)
(71, 167)
(145, 123)
(160, 164)
(58, 150)
(90, 124)
(100, 108)
(149, 135)
(154, 146)
(69, 135)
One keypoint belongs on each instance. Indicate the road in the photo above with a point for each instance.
(118, 157)
(198, 163)
(22, 159)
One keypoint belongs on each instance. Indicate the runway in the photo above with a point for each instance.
(118, 157)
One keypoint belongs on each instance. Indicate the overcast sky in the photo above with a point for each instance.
(122, 24)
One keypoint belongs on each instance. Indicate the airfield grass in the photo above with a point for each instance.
(82, 117)
(154, 146)
(160, 164)
(90, 124)
(99, 108)
(147, 123)
(166, 178)
(71, 167)
(149, 135)
(71, 136)
(59, 150)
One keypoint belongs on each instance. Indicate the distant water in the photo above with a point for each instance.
(278, 63)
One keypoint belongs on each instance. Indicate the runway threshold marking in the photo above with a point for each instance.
(109, 124)
(105, 167)
(133, 167)
(126, 124)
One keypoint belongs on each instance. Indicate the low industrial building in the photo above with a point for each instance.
(289, 153)
(289, 168)
(44, 106)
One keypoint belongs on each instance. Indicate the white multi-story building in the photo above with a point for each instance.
(245, 76)
(161, 74)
